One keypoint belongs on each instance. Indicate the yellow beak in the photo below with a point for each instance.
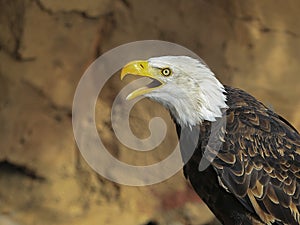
(140, 68)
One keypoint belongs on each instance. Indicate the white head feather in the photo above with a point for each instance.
(192, 93)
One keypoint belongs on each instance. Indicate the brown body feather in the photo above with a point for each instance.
(254, 178)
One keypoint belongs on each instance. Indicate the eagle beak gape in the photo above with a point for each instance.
(140, 68)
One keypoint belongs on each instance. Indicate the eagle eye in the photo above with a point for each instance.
(166, 72)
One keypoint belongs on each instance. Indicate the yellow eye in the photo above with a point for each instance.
(166, 72)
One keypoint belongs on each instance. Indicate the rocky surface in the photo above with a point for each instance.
(45, 46)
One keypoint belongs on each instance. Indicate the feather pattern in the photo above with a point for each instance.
(258, 163)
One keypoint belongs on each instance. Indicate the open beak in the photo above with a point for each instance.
(141, 68)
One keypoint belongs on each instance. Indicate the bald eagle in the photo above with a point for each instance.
(254, 178)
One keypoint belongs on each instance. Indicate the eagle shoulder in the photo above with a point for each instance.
(259, 160)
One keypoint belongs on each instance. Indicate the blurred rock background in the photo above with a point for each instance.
(46, 45)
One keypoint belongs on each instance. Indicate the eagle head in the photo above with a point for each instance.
(184, 85)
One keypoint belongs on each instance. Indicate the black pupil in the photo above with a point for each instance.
(166, 72)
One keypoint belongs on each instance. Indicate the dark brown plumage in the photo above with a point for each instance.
(254, 178)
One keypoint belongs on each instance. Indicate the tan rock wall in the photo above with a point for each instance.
(45, 46)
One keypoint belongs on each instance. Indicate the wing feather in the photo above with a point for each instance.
(260, 160)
